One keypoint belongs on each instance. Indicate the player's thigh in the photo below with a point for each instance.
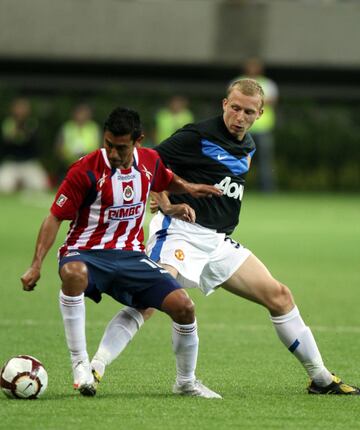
(173, 272)
(253, 281)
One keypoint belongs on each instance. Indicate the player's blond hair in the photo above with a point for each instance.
(249, 87)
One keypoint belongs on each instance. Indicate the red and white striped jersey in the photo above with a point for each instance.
(107, 205)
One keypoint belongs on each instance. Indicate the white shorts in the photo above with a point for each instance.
(203, 257)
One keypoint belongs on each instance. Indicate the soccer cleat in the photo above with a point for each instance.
(97, 377)
(84, 379)
(336, 387)
(195, 388)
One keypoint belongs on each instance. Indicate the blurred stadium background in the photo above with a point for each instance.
(140, 52)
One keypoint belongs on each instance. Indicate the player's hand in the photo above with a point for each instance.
(202, 190)
(181, 211)
(154, 207)
(30, 278)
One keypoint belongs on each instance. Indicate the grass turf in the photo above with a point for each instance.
(310, 242)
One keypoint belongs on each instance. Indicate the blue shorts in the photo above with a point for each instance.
(130, 277)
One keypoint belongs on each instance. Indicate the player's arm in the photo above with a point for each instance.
(181, 186)
(180, 211)
(46, 237)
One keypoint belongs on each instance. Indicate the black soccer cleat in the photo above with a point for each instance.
(336, 387)
(87, 390)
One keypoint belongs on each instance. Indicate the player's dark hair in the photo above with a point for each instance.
(122, 121)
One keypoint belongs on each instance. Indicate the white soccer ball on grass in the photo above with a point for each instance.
(23, 377)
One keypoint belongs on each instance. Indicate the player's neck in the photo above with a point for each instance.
(127, 165)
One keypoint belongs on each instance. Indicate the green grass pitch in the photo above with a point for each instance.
(310, 242)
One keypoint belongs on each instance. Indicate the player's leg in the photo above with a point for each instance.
(185, 341)
(74, 276)
(253, 281)
(118, 334)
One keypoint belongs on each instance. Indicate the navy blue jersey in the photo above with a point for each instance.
(207, 153)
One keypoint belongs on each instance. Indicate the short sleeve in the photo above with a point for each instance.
(71, 194)
(162, 177)
(182, 148)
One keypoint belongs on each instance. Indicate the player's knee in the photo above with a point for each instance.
(280, 301)
(74, 276)
(186, 313)
(179, 307)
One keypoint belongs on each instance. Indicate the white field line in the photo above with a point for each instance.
(218, 326)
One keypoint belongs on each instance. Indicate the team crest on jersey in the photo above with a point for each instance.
(147, 173)
(128, 193)
(179, 254)
(61, 200)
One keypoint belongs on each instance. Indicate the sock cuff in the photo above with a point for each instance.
(294, 313)
(71, 300)
(185, 329)
(134, 314)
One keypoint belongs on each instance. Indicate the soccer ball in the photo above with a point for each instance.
(23, 377)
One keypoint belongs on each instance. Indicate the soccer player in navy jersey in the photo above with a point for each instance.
(104, 196)
(201, 253)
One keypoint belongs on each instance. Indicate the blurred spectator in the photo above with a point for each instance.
(263, 129)
(172, 117)
(20, 167)
(78, 136)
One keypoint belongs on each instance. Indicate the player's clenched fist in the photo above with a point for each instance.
(29, 279)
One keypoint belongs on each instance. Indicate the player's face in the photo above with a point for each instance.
(119, 150)
(240, 112)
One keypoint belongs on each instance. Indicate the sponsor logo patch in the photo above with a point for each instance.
(61, 200)
(231, 189)
(129, 177)
(179, 254)
(125, 212)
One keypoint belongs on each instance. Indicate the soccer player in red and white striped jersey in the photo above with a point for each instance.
(113, 215)
(104, 196)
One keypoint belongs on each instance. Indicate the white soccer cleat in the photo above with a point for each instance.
(195, 388)
(83, 378)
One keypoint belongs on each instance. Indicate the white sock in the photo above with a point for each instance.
(299, 340)
(185, 345)
(73, 312)
(119, 332)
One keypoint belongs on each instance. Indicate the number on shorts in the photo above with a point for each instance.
(150, 263)
(232, 241)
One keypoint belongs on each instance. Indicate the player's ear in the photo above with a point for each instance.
(261, 111)
(139, 140)
(224, 103)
